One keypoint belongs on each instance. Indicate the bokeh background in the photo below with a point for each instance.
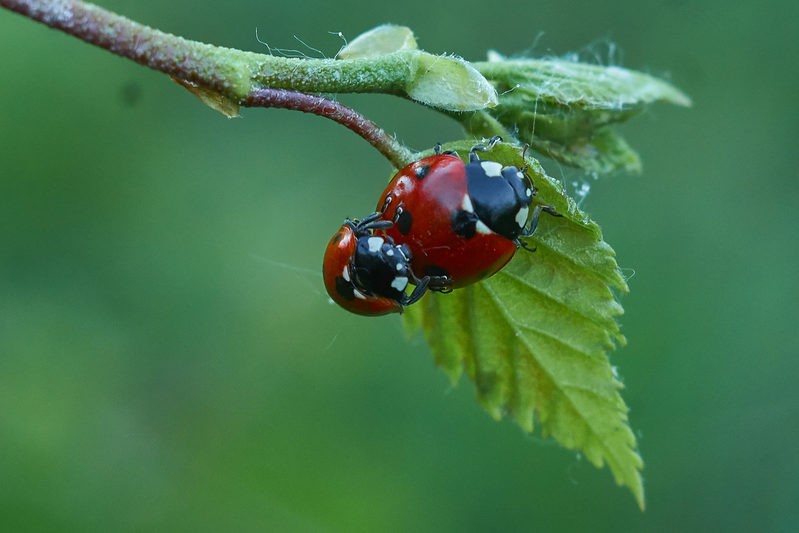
(168, 360)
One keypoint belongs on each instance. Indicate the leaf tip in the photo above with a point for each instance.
(638, 492)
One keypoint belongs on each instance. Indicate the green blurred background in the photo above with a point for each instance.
(168, 360)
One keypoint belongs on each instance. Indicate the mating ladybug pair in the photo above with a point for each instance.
(441, 224)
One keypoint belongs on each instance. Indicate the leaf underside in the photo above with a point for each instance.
(534, 338)
(566, 109)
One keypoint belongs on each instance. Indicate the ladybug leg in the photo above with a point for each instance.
(398, 212)
(537, 210)
(530, 229)
(433, 283)
(418, 292)
(386, 203)
(551, 210)
(482, 148)
(437, 150)
(355, 223)
(437, 283)
(440, 284)
(368, 224)
(493, 140)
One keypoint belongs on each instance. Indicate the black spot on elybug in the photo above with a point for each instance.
(338, 237)
(422, 171)
(435, 270)
(345, 288)
(404, 221)
(464, 223)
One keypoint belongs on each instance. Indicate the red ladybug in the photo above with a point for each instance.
(366, 273)
(462, 222)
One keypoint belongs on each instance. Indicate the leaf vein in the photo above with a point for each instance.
(556, 301)
(609, 452)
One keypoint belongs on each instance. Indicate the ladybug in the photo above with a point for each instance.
(461, 221)
(366, 273)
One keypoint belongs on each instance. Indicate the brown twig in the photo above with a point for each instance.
(318, 105)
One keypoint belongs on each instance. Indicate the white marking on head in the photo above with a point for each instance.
(529, 192)
(358, 294)
(400, 266)
(521, 216)
(375, 243)
(520, 175)
(390, 252)
(492, 168)
(480, 227)
(466, 204)
(399, 283)
(346, 273)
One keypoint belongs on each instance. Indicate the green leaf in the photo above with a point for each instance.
(534, 338)
(563, 108)
(601, 152)
(575, 85)
(604, 152)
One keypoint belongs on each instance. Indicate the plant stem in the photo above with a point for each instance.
(245, 78)
(391, 149)
(200, 63)
(230, 72)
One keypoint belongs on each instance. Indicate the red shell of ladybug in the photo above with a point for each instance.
(460, 220)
